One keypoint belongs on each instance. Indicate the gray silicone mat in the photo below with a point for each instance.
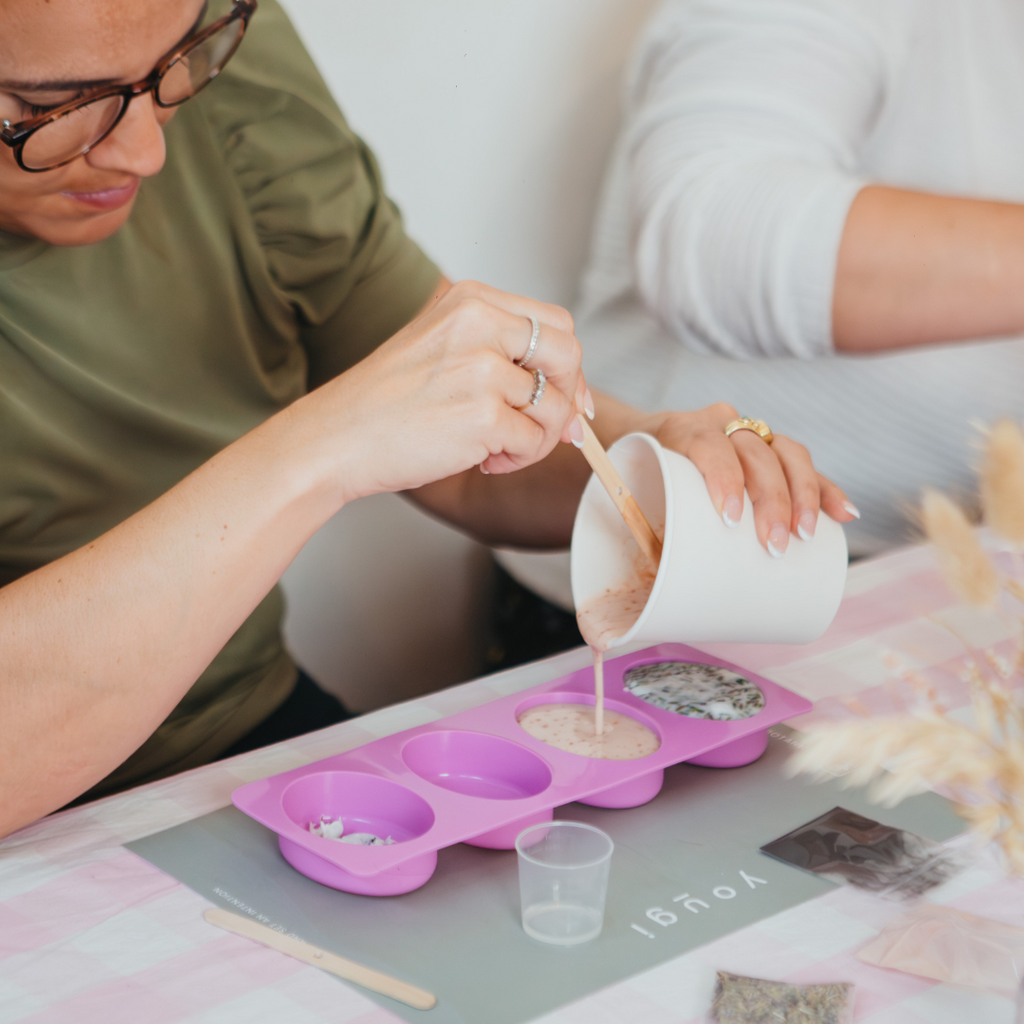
(692, 852)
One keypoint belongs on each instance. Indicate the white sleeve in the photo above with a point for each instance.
(745, 120)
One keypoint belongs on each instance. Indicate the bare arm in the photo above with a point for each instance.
(916, 269)
(97, 647)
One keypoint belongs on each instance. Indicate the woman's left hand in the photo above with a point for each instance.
(786, 490)
(535, 507)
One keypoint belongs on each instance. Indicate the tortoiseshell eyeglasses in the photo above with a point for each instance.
(68, 131)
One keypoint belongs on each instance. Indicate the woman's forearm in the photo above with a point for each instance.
(533, 509)
(98, 647)
(917, 269)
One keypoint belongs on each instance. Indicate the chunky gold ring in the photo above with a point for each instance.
(759, 427)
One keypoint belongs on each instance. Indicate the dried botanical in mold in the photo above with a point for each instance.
(695, 690)
(329, 828)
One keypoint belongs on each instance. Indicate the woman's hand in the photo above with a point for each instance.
(780, 478)
(444, 394)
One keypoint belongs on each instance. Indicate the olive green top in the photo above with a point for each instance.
(262, 260)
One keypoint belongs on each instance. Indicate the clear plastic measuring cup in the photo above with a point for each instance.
(563, 881)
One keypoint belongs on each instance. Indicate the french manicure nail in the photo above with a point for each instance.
(732, 511)
(852, 509)
(588, 404)
(576, 432)
(778, 540)
(806, 525)
(484, 470)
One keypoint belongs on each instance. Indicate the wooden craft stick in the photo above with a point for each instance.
(375, 981)
(599, 693)
(606, 472)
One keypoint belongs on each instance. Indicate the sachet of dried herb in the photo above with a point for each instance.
(740, 1000)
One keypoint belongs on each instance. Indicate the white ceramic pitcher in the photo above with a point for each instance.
(715, 583)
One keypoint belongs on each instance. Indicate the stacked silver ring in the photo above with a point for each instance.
(540, 382)
(533, 346)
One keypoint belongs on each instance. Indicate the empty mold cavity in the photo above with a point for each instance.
(365, 803)
(477, 764)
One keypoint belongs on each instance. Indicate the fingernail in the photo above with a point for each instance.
(778, 540)
(484, 470)
(852, 509)
(732, 511)
(588, 404)
(576, 432)
(806, 525)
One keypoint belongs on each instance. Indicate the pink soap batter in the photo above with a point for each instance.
(570, 727)
(611, 614)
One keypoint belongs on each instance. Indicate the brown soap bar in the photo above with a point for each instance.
(740, 1000)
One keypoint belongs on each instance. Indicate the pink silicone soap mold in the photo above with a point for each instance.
(477, 777)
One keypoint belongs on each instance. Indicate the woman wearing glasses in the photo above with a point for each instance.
(213, 334)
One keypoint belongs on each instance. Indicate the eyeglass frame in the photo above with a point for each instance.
(16, 135)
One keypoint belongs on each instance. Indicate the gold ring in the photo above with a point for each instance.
(759, 427)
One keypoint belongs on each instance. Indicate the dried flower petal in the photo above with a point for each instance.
(965, 565)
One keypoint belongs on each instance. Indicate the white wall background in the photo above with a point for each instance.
(492, 120)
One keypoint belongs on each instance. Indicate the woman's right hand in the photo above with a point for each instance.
(156, 597)
(444, 395)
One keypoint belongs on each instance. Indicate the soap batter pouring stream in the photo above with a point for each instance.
(609, 616)
(574, 727)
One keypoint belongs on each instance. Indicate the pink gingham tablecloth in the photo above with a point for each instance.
(91, 934)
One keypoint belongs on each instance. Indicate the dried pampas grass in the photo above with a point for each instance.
(1002, 482)
(968, 570)
(980, 769)
(980, 766)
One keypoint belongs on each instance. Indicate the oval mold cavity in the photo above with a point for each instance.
(365, 803)
(695, 690)
(477, 764)
(392, 882)
(587, 700)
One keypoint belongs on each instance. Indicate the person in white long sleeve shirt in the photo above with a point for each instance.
(814, 211)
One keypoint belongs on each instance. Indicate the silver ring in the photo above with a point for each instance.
(540, 382)
(533, 347)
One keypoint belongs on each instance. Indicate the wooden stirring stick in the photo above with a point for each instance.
(375, 981)
(619, 493)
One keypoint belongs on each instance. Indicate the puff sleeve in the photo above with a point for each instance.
(333, 241)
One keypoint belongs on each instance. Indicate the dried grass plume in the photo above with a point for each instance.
(1002, 482)
(967, 568)
(980, 765)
